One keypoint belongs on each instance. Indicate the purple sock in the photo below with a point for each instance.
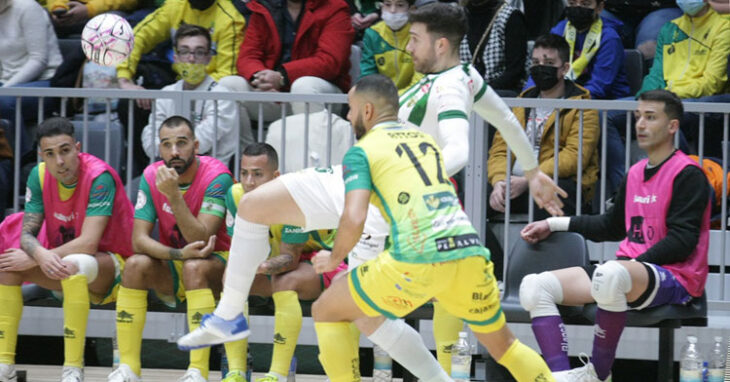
(606, 334)
(550, 334)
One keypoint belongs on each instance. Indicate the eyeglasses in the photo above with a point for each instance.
(198, 54)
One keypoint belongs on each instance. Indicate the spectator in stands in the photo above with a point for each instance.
(364, 14)
(384, 45)
(662, 258)
(185, 194)
(29, 58)
(599, 67)
(642, 20)
(543, 14)
(549, 65)
(496, 44)
(215, 122)
(289, 265)
(226, 25)
(71, 198)
(295, 46)
(69, 16)
(691, 61)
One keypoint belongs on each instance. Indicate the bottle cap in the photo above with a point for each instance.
(718, 338)
(692, 339)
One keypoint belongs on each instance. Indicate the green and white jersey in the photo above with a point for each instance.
(441, 96)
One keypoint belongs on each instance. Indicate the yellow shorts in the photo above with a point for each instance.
(177, 283)
(465, 287)
(111, 295)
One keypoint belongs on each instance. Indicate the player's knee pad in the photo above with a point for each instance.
(539, 294)
(87, 264)
(611, 281)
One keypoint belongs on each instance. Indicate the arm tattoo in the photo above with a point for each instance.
(176, 254)
(278, 264)
(32, 223)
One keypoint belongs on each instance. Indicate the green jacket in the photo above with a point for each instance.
(691, 56)
(384, 52)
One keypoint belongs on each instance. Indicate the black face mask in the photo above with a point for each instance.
(544, 76)
(201, 5)
(580, 17)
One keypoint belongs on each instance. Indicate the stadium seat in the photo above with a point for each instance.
(634, 67)
(559, 250)
(95, 144)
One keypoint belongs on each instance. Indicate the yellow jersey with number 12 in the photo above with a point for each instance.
(405, 172)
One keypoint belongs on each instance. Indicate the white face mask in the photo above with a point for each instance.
(394, 21)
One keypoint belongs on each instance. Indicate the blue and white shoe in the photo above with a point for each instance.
(214, 330)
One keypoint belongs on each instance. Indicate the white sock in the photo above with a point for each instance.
(249, 248)
(406, 347)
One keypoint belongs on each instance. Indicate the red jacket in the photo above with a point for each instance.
(321, 47)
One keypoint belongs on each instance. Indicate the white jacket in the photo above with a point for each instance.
(203, 120)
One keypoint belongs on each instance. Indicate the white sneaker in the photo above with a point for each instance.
(585, 373)
(192, 375)
(7, 373)
(214, 330)
(123, 374)
(72, 374)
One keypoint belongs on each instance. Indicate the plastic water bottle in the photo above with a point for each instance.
(461, 359)
(382, 365)
(292, 376)
(690, 364)
(115, 350)
(716, 362)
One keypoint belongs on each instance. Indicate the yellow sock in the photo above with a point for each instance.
(11, 300)
(131, 315)
(287, 325)
(75, 316)
(446, 328)
(355, 333)
(237, 352)
(200, 302)
(525, 364)
(336, 351)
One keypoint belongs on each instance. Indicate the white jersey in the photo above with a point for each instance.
(320, 195)
(440, 105)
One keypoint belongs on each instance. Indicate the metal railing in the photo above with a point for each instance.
(475, 180)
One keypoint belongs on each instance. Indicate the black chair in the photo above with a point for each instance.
(634, 67)
(559, 250)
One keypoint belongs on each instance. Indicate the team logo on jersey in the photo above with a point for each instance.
(99, 192)
(64, 218)
(440, 200)
(457, 242)
(398, 302)
(404, 198)
(482, 309)
(479, 296)
(69, 333)
(141, 200)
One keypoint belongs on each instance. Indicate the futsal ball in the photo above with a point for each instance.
(107, 39)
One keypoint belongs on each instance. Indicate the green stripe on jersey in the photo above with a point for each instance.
(481, 91)
(452, 114)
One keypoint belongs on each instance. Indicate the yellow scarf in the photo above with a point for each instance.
(590, 47)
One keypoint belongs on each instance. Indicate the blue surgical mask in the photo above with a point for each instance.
(691, 7)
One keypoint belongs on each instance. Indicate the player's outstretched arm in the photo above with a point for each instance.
(545, 192)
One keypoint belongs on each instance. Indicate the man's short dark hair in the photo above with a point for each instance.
(381, 87)
(260, 148)
(553, 41)
(54, 126)
(191, 30)
(175, 121)
(673, 107)
(442, 19)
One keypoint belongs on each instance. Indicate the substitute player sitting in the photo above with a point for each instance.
(662, 258)
(435, 252)
(74, 195)
(185, 194)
